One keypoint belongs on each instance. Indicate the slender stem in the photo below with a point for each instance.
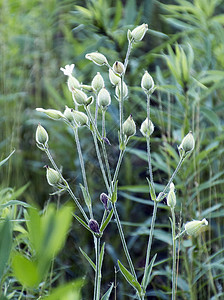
(150, 241)
(123, 240)
(92, 122)
(118, 165)
(127, 55)
(96, 110)
(148, 142)
(104, 147)
(75, 129)
(121, 110)
(100, 161)
(174, 254)
(98, 271)
(67, 187)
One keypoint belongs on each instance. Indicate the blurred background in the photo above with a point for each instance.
(38, 37)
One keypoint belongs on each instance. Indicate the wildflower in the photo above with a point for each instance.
(118, 90)
(79, 97)
(129, 127)
(68, 69)
(98, 82)
(72, 81)
(118, 67)
(104, 200)
(139, 32)
(147, 127)
(193, 227)
(41, 135)
(52, 113)
(171, 198)
(80, 118)
(53, 177)
(147, 82)
(98, 58)
(187, 144)
(114, 78)
(104, 98)
(94, 226)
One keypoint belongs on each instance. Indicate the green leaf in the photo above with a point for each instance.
(85, 196)
(101, 256)
(106, 296)
(14, 202)
(5, 160)
(130, 278)
(151, 190)
(211, 116)
(5, 244)
(69, 291)
(88, 259)
(107, 221)
(146, 278)
(25, 270)
(114, 194)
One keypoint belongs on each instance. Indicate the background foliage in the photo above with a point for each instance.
(37, 38)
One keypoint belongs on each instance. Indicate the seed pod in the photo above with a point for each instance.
(114, 78)
(97, 82)
(147, 82)
(98, 58)
(104, 200)
(118, 90)
(118, 67)
(171, 198)
(68, 114)
(79, 97)
(104, 98)
(73, 83)
(53, 177)
(94, 226)
(80, 118)
(52, 113)
(187, 144)
(147, 127)
(193, 227)
(41, 135)
(129, 127)
(139, 32)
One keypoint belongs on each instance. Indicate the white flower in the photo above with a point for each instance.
(68, 69)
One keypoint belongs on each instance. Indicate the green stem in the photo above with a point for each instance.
(98, 271)
(104, 147)
(118, 166)
(174, 254)
(75, 130)
(123, 240)
(150, 241)
(127, 55)
(148, 142)
(121, 110)
(67, 187)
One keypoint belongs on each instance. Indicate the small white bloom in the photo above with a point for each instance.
(68, 69)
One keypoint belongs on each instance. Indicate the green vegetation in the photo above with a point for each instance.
(49, 249)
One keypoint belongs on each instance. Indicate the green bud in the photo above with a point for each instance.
(118, 67)
(193, 227)
(41, 135)
(139, 32)
(52, 113)
(104, 98)
(68, 114)
(80, 118)
(118, 90)
(98, 58)
(147, 82)
(129, 127)
(114, 78)
(53, 177)
(171, 198)
(147, 127)
(98, 82)
(187, 144)
(79, 97)
(73, 83)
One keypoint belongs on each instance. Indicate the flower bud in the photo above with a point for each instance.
(187, 144)
(52, 113)
(139, 32)
(68, 69)
(68, 113)
(193, 227)
(114, 78)
(53, 177)
(147, 82)
(98, 58)
(104, 200)
(171, 198)
(104, 98)
(79, 97)
(80, 118)
(41, 135)
(94, 226)
(98, 82)
(73, 83)
(118, 90)
(118, 67)
(129, 127)
(147, 127)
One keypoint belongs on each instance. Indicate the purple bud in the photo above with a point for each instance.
(104, 200)
(106, 141)
(94, 226)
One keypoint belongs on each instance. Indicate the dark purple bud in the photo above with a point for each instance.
(104, 200)
(106, 141)
(94, 226)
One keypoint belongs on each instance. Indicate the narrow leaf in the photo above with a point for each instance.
(88, 259)
(5, 160)
(106, 296)
(82, 222)
(107, 221)
(85, 195)
(151, 190)
(101, 256)
(114, 194)
(148, 272)
(129, 277)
